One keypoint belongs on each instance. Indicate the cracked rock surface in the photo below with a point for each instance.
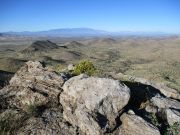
(93, 103)
(39, 101)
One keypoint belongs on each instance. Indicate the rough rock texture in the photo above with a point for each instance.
(155, 98)
(164, 103)
(50, 123)
(70, 67)
(38, 101)
(93, 103)
(173, 116)
(168, 92)
(166, 107)
(32, 84)
(34, 72)
(34, 92)
(10, 120)
(154, 102)
(135, 125)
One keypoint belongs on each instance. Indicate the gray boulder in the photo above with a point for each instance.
(93, 103)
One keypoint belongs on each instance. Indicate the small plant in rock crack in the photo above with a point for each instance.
(155, 120)
(5, 127)
(8, 124)
(60, 68)
(173, 129)
(32, 110)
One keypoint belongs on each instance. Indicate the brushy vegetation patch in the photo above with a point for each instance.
(10, 123)
(173, 129)
(60, 68)
(154, 120)
(32, 109)
(85, 66)
(5, 127)
(35, 110)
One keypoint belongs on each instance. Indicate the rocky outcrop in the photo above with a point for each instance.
(172, 116)
(38, 101)
(92, 103)
(164, 102)
(135, 125)
(168, 109)
(168, 92)
(32, 85)
(50, 123)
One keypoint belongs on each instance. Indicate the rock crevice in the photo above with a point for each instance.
(43, 102)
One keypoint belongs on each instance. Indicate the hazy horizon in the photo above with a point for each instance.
(66, 28)
(107, 15)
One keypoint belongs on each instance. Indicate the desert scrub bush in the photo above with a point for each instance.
(173, 129)
(85, 66)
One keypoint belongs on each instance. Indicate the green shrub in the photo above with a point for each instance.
(85, 66)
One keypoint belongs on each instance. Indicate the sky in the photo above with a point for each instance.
(109, 15)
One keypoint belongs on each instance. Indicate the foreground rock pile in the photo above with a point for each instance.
(38, 101)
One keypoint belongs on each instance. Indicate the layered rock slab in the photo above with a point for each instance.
(135, 125)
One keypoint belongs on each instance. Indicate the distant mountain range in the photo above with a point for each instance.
(65, 32)
(74, 32)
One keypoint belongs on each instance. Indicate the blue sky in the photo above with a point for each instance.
(110, 15)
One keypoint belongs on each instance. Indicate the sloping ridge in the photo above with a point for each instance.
(108, 40)
(74, 44)
(42, 45)
(103, 41)
(11, 64)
